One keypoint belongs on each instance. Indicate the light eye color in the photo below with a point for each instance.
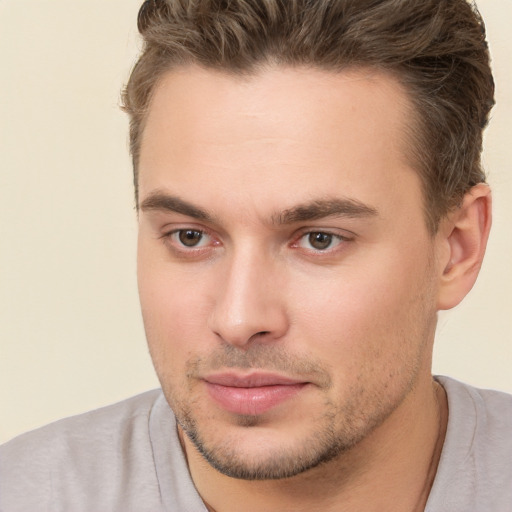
(319, 241)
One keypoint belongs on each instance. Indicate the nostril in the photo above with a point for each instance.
(260, 334)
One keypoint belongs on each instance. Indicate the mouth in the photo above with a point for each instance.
(251, 394)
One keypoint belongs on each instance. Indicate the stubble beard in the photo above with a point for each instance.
(320, 448)
(338, 431)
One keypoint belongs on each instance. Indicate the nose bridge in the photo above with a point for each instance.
(248, 301)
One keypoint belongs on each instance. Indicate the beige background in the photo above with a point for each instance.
(71, 336)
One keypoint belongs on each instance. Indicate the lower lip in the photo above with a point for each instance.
(252, 401)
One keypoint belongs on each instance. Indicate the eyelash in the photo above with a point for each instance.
(333, 237)
(181, 249)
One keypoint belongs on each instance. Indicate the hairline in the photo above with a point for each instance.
(412, 130)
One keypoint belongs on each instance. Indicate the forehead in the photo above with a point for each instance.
(282, 134)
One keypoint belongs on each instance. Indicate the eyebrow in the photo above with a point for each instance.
(165, 202)
(314, 210)
(322, 208)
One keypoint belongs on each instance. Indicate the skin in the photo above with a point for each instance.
(282, 230)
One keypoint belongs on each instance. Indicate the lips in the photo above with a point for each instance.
(251, 394)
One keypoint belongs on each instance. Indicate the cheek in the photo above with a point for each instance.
(369, 318)
(171, 295)
(175, 312)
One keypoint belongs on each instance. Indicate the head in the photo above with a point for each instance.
(435, 48)
(307, 183)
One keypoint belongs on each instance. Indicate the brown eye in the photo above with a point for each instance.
(320, 241)
(190, 237)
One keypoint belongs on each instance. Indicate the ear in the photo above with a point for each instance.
(464, 234)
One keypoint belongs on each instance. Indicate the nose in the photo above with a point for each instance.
(249, 300)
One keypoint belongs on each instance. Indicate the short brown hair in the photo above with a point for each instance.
(436, 48)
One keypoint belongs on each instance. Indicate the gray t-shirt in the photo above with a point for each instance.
(127, 458)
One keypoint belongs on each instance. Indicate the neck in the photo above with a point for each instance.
(392, 469)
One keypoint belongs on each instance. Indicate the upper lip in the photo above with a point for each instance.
(252, 380)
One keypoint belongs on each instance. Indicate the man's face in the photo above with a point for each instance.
(286, 274)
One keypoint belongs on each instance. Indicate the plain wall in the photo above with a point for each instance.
(71, 336)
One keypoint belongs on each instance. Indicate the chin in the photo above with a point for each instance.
(264, 455)
(257, 448)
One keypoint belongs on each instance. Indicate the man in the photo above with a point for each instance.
(310, 195)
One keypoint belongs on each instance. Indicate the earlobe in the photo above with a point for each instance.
(465, 234)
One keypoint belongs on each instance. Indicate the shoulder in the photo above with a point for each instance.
(491, 409)
(95, 427)
(489, 413)
(84, 452)
(475, 470)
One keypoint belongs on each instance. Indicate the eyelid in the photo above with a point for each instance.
(175, 227)
(341, 236)
(167, 237)
(174, 236)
